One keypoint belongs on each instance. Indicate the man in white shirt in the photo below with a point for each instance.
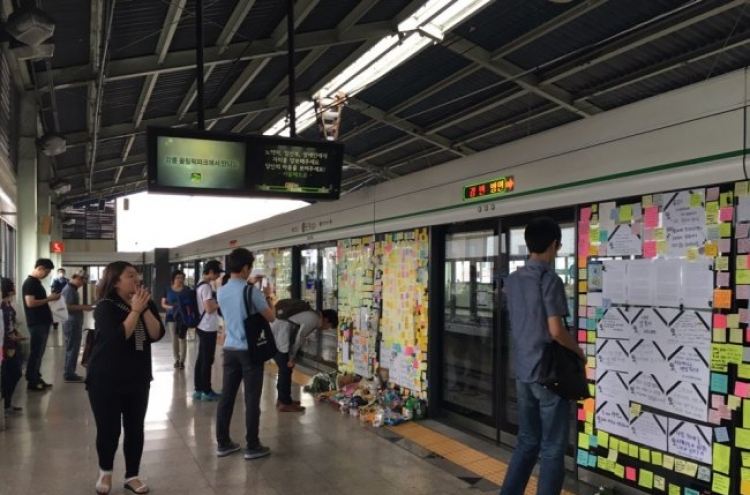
(207, 329)
(290, 335)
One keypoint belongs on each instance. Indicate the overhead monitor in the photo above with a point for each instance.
(184, 161)
(295, 168)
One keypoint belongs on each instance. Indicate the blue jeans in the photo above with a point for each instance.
(544, 420)
(73, 331)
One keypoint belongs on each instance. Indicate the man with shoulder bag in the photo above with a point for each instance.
(537, 305)
(243, 360)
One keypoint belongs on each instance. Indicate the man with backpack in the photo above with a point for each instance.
(206, 328)
(295, 321)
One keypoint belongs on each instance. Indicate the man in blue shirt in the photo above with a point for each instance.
(73, 327)
(537, 305)
(237, 364)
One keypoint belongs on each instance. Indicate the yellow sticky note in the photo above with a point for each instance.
(656, 458)
(588, 429)
(743, 371)
(680, 466)
(583, 440)
(674, 490)
(746, 459)
(742, 277)
(624, 447)
(725, 229)
(661, 247)
(691, 469)
(582, 286)
(721, 455)
(692, 253)
(742, 438)
(733, 402)
(646, 478)
(614, 443)
(746, 424)
(626, 213)
(635, 409)
(720, 484)
(733, 320)
(711, 249)
(659, 483)
(712, 212)
(619, 470)
(735, 335)
(612, 455)
(660, 234)
(744, 487)
(645, 455)
(721, 264)
(726, 199)
(696, 200)
(603, 439)
(741, 188)
(633, 451)
(668, 462)
(745, 474)
(594, 234)
(648, 199)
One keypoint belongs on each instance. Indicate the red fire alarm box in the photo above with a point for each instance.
(57, 247)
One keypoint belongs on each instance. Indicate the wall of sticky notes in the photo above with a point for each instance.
(383, 306)
(664, 324)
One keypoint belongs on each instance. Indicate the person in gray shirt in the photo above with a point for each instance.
(536, 302)
(73, 327)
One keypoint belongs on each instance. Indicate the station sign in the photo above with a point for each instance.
(489, 188)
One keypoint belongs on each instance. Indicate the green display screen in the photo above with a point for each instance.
(200, 163)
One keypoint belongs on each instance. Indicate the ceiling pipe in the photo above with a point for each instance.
(100, 92)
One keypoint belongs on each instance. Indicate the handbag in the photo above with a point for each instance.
(562, 371)
(260, 342)
(88, 346)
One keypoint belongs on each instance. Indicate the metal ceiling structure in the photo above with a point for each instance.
(516, 68)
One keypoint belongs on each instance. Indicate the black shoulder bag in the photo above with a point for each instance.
(260, 342)
(562, 371)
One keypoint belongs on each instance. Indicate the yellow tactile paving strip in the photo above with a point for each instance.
(472, 460)
(461, 455)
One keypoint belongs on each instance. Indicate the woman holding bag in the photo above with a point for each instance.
(119, 371)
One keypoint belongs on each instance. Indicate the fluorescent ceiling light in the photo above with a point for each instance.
(426, 26)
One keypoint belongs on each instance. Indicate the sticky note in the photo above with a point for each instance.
(721, 434)
(583, 440)
(668, 462)
(711, 249)
(630, 473)
(619, 470)
(656, 458)
(583, 457)
(696, 200)
(674, 490)
(692, 253)
(726, 199)
(721, 455)
(726, 214)
(603, 439)
(744, 487)
(635, 409)
(720, 484)
(742, 438)
(719, 383)
(742, 277)
(733, 320)
(659, 483)
(741, 189)
(660, 234)
(720, 321)
(722, 299)
(725, 230)
(650, 249)
(645, 455)
(626, 213)
(741, 389)
(721, 263)
(646, 478)
(633, 451)
(746, 413)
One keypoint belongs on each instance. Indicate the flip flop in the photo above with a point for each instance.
(140, 490)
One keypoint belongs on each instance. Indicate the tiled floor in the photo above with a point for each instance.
(49, 448)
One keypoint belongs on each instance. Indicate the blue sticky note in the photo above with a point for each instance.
(603, 236)
(593, 441)
(690, 491)
(591, 324)
(583, 323)
(599, 313)
(719, 383)
(592, 460)
(583, 457)
(721, 433)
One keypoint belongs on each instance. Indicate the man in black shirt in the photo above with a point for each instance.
(38, 318)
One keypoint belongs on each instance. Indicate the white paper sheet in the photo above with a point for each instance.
(612, 354)
(690, 440)
(668, 282)
(648, 324)
(613, 417)
(649, 429)
(685, 224)
(648, 357)
(623, 242)
(685, 399)
(612, 386)
(691, 328)
(614, 284)
(615, 324)
(697, 283)
(639, 276)
(648, 390)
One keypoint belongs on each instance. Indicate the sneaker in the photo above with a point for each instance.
(211, 395)
(257, 452)
(197, 395)
(45, 384)
(295, 402)
(225, 450)
(176, 365)
(74, 378)
(290, 408)
(36, 387)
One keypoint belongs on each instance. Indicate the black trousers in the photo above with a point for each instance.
(114, 410)
(238, 368)
(11, 374)
(284, 380)
(205, 360)
(39, 335)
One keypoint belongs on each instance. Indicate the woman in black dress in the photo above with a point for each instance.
(119, 372)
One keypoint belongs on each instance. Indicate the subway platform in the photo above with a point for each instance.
(49, 447)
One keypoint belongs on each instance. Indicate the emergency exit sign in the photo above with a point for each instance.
(57, 247)
(487, 189)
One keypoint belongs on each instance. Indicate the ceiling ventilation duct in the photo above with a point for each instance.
(60, 187)
(30, 25)
(53, 144)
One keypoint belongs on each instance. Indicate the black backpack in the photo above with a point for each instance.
(260, 342)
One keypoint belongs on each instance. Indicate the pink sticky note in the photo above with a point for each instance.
(591, 313)
(741, 389)
(720, 321)
(742, 231)
(747, 335)
(726, 214)
(713, 417)
(582, 336)
(744, 315)
(712, 194)
(717, 401)
(409, 350)
(649, 249)
(742, 291)
(581, 414)
(743, 246)
(725, 245)
(585, 216)
(630, 473)
(722, 279)
(651, 216)
(582, 311)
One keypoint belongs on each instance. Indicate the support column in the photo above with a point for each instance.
(162, 274)
(28, 222)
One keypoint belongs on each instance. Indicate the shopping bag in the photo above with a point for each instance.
(59, 310)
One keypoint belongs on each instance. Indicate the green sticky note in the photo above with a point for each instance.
(603, 437)
(720, 484)
(645, 455)
(623, 447)
(743, 371)
(742, 277)
(633, 451)
(583, 440)
(619, 470)
(645, 478)
(614, 443)
(742, 438)
(746, 417)
(674, 490)
(725, 230)
(696, 200)
(656, 458)
(626, 213)
(721, 455)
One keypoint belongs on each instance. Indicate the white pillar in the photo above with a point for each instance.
(27, 248)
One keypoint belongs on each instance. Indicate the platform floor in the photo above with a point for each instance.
(49, 447)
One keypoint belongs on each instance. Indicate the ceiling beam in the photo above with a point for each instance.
(683, 60)
(553, 24)
(216, 55)
(386, 148)
(302, 9)
(368, 167)
(648, 34)
(240, 12)
(471, 112)
(407, 127)
(96, 26)
(353, 181)
(253, 69)
(106, 189)
(527, 81)
(105, 166)
(508, 124)
(119, 131)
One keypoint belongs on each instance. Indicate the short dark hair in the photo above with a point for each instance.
(76, 276)
(7, 286)
(44, 263)
(177, 273)
(332, 316)
(106, 286)
(239, 259)
(540, 233)
(61, 270)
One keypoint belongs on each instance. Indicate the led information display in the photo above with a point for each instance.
(493, 187)
(293, 168)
